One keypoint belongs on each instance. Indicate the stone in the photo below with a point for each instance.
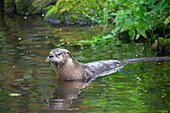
(27, 6)
(162, 46)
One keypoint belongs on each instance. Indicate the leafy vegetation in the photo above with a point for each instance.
(141, 18)
(73, 10)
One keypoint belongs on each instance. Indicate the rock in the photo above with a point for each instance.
(162, 46)
(27, 6)
(52, 19)
(155, 45)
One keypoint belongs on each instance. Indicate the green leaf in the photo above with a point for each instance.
(142, 32)
(96, 38)
(150, 2)
(144, 8)
(163, 5)
(117, 20)
(120, 18)
(149, 20)
(135, 7)
(156, 8)
(130, 21)
(116, 29)
(137, 36)
(133, 18)
(167, 20)
(108, 36)
(139, 13)
(132, 27)
(153, 1)
(114, 14)
(132, 34)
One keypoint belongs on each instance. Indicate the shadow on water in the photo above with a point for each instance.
(28, 85)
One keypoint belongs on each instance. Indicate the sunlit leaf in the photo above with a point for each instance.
(108, 36)
(137, 36)
(95, 38)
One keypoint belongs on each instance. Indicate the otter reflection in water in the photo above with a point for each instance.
(63, 94)
(68, 68)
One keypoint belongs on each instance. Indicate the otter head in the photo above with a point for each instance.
(58, 56)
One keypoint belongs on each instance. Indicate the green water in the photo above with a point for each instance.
(29, 85)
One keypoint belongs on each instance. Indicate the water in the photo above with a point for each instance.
(29, 85)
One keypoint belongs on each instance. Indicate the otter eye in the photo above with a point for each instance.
(59, 54)
(68, 53)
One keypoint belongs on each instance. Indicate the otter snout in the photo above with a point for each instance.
(51, 56)
(56, 59)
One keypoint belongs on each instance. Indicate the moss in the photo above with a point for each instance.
(73, 10)
(38, 5)
(164, 42)
(73, 18)
(9, 2)
(22, 6)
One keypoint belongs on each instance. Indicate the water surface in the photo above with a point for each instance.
(28, 84)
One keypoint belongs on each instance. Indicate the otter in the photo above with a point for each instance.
(68, 68)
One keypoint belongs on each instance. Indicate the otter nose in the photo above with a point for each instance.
(51, 56)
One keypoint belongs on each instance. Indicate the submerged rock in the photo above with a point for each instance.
(53, 20)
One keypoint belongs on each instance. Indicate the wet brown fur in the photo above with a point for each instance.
(68, 68)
